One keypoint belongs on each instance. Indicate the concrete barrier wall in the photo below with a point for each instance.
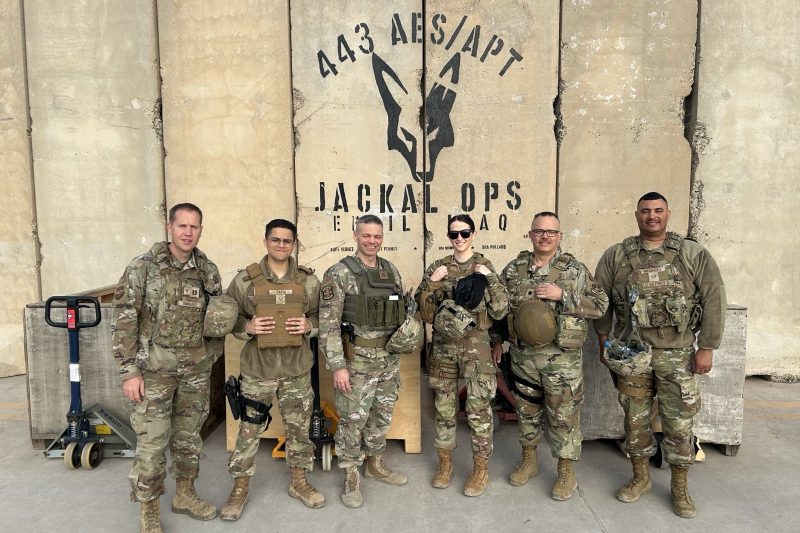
(501, 168)
(746, 181)
(18, 266)
(626, 69)
(97, 162)
(607, 80)
(227, 120)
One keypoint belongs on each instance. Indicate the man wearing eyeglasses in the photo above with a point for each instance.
(278, 314)
(665, 290)
(552, 296)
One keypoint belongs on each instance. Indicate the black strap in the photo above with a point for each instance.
(261, 408)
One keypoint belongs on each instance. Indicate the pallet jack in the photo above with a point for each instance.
(324, 420)
(93, 433)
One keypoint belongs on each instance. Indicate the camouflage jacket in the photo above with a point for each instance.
(495, 299)
(582, 298)
(144, 316)
(338, 282)
(702, 282)
(274, 363)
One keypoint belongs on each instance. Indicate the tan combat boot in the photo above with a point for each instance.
(639, 484)
(565, 485)
(526, 469)
(682, 503)
(377, 469)
(301, 489)
(444, 470)
(233, 508)
(351, 495)
(478, 479)
(150, 517)
(187, 501)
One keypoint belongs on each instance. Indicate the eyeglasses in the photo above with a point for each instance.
(453, 235)
(274, 241)
(549, 232)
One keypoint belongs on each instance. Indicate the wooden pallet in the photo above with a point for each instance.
(406, 422)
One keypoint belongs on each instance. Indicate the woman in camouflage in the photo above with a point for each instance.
(467, 355)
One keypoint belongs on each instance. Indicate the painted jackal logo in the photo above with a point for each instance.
(404, 115)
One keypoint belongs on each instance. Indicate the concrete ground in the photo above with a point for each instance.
(756, 490)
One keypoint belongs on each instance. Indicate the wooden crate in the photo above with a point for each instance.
(47, 359)
(406, 422)
(721, 414)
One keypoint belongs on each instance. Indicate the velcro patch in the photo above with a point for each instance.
(119, 292)
(327, 292)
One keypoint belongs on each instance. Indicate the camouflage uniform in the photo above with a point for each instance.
(285, 371)
(673, 351)
(159, 306)
(555, 370)
(470, 357)
(365, 413)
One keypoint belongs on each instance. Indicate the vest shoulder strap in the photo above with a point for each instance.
(558, 266)
(352, 263)
(631, 248)
(257, 277)
(672, 246)
(523, 264)
(480, 259)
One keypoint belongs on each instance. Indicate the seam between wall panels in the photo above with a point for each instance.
(37, 244)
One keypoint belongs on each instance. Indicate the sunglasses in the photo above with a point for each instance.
(453, 235)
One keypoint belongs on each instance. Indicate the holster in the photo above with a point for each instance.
(512, 379)
(348, 340)
(239, 404)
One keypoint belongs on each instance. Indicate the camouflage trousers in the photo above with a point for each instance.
(559, 393)
(295, 400)
(678, 401)
(174, 408)
(365, 413)
(470, 358)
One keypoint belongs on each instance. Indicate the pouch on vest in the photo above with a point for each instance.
(377, 305)
(181, 312)
(571, 332)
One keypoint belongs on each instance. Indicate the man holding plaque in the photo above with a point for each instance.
(278, 314)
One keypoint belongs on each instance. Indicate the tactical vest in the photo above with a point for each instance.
(449, 282)
(280, 301)
(379, 302)
(178, 319)
(656, 291)
(571, 330)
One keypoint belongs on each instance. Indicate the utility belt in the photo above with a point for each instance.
(239, 404)
(350, 340)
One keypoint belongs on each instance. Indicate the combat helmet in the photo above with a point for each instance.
(221, 314)
(631, 358)
(453, 321)
(411, 333)
(535, 323)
